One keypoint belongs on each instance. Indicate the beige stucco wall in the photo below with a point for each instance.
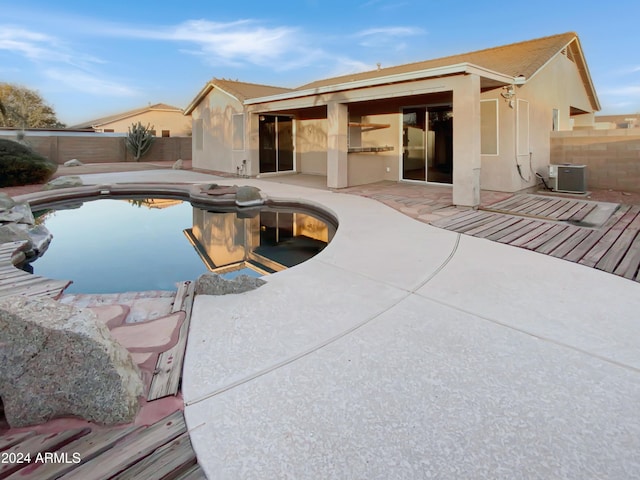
(311, 146)
(216, 112)
(178, 124)
(372, 167)
(558, 86)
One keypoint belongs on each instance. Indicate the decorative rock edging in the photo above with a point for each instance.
(18, 224)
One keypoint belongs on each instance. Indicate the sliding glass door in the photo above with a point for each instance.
(276, 143)
(427, 141)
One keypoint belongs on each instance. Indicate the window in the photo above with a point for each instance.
(238, 131)
(523, 127)
(489, 127)
(108, 130)
(152, 132)
(197, 133)
(165, 133)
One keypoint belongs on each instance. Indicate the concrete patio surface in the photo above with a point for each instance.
(405, 351)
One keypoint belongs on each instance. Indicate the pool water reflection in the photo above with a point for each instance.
(111, 246)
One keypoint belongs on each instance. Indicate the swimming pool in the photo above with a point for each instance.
(138, 244)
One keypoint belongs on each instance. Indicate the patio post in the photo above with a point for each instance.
(337, 130)
(466, 141)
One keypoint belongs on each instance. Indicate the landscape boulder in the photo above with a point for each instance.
(60, 361)
(6, 202)
(19, 213)
(67, 181)
(247, 196)
(74, 162)
(178, 165)
(213, 284)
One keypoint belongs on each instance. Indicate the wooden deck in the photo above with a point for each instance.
(160, 451)
(553, 227)
(14, 281)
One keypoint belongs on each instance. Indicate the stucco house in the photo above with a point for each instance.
(476, 120)
(166, 120)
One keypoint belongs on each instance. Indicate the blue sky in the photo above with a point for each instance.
(91, 59)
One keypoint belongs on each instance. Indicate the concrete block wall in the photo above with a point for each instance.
(612, 157)
(98, 149)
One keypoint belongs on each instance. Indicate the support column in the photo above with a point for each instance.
(466, 141)
(337, 131)
(252, 143)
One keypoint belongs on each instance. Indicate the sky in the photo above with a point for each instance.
(93, 59)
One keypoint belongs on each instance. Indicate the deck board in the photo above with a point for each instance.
(168, 371)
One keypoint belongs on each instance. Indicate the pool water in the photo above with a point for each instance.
(112, 246)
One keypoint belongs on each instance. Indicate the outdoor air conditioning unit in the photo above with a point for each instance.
(568, 178)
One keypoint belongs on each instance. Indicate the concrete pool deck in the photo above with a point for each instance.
(407, 351)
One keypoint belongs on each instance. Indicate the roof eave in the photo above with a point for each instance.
(198, 98)
(457, 69)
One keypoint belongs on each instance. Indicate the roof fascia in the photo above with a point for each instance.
(203, 93)
(457, 69)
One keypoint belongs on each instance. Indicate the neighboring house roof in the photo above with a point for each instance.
(163, 107)
(241, 91)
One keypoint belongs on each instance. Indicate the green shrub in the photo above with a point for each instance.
(19, 165)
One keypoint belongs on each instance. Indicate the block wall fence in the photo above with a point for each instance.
(612, 157)
(96, 149)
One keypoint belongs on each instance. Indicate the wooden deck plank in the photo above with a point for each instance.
(556, 214)
(167, 461)
(551, 208)
(500, 223)
(524, 205)
(485, 230)
(168, 371)
(87, 447)
(519, 232)
(535, 233)
(132, 450)
(629, 265)
(559, 239)
(503, 203)
(606, 241)
(583, 212)
(446, 223)
(571, 243)
(581, 243)
(572, 211)
(536, 209)
(621, 246)
(509, 230)
(550, 234)
(8, 441)
(32, 446)
(480, 221)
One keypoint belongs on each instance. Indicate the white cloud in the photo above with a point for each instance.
(88, 83)
(40, 47)
(387, 36)
(625, 90)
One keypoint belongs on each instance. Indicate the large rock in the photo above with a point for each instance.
(247, 196)
(64, 182)
(213, 284)
(12, 232)
(6, 202)
(19, 213)
(59, 361)
(74, 162)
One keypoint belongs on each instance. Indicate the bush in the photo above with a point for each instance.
(19, 165)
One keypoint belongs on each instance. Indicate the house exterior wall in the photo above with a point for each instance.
(311, 146)
(372, 167)
(215, 115)
(178, 124)
(557, 86)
